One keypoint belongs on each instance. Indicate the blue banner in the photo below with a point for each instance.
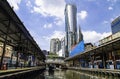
(78, 49)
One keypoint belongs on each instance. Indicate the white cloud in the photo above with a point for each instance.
(50, 8)
(47, 26)
(58, 21)
(110, 8)
(29, 4)
(56, 34)
(82, 15)
(105, 22)
(93, 36)
(112, 0)
(15, 3)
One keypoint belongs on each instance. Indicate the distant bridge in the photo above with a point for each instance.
(56, 62)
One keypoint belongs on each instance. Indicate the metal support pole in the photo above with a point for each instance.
(23, 57)
(93, 59)
(34, 58)
(17, 61)
(104, 58)
(11, 59)
(73, 62)
(104, 61)
(86, 61)
(18, 51)
(25, 52)
(114, 57)
(4, 46)
(78, 62)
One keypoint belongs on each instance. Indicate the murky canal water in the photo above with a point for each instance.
(69, 74)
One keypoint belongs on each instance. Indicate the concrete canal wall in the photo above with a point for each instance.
(107, 72)
(20, 73)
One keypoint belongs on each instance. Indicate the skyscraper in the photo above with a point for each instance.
(55, 45)
(58, 45)
(70, 26)
(79, 35)
(61, 52)
(63, 46)
(115, 25)
(70, 17)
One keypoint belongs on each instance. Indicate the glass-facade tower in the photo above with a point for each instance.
(115, 25)
(70, 26)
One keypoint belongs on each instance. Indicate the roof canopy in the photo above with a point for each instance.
(17, 35)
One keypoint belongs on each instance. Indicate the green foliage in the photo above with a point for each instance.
(52, 55)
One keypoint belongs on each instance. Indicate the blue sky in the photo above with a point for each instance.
(45, 18)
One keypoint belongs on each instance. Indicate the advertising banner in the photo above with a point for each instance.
(77, 49)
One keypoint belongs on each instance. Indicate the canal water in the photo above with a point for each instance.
(69, 74)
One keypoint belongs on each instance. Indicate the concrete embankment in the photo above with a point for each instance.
(107, 72)
(20, 73)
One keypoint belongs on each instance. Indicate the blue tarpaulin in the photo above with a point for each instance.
(78, 49)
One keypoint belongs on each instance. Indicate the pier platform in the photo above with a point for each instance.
(19, 73)
(108, 72)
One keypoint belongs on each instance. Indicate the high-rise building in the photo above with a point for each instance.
(63, 46)
(52, 45)
(79, 35)
(58, 44)
(55, 45)
(115, 25)
(70, 26)
(70, 17)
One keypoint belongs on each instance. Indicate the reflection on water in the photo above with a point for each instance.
(69, 74)
(51, 73)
